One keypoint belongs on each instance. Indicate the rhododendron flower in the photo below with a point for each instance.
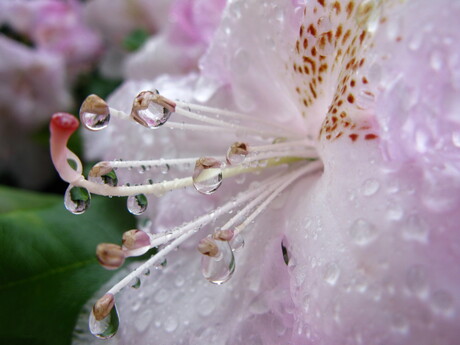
(57, 27)
(347, 112)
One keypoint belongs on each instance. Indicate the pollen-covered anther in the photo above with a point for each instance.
(223, 235)
(103, 306)
(110, 256)
(152, 110)
(207, 246)
(94, 113)
(135, 242)
(237, 152)
(100, 169)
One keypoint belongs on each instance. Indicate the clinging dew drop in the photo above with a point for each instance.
(137, 204)
(219, 269)
(77, 199)
(105, 328)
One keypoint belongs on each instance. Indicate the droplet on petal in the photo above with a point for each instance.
(207, 176)
(219, 269)
(77, 199)
(137, 204)
(103, 320)
(237, 152)
(94, 113)
(151, 110)
(363, 232)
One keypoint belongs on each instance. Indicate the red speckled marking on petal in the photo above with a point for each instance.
(328, 62)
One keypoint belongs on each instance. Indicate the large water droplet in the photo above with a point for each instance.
(207, 176)
(77, 199)
(362, 232)
(219, 269)
(105, 328)
(137, 204)
(237, 153)
(94, 113)
(151, 110)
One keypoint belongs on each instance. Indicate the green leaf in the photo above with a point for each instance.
(47, 265)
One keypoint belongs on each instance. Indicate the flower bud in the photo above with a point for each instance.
(110, 255)
(223, 235)
(103, 306)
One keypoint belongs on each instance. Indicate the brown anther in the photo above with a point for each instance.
(134, 239)
(95, 105)
(100, 169)
(207, 246)
(207, 163)
(223, 235)
(103, 306)
(110, 255)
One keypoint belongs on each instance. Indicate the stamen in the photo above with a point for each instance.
(135, 242)
(110, 255)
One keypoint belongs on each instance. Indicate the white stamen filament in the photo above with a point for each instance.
(233, 114)
(219, 125)
(308, 169)
(191, 228)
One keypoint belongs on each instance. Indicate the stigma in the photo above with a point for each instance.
(259, 145)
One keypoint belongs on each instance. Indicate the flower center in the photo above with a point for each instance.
(270, 147)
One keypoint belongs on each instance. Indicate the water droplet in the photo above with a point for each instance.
(237, 153)
(219, 269)
(206, 306)
(363, 232)
(161, 296)
(137, 204)
(136, 284)
(456, 139)
(170, 324)
(143, 320)
(237, 242)
(207, 176)
(399, 324)
(365, 99)
(370, 187)
(331, 273)
(416, 281)
(147, 272)
(77, 199)
(436, 60)
(151, 110)
(164, 168)
(94, 113)
(105, 328)
(443, 303)
(394, 212)
(416, 229)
